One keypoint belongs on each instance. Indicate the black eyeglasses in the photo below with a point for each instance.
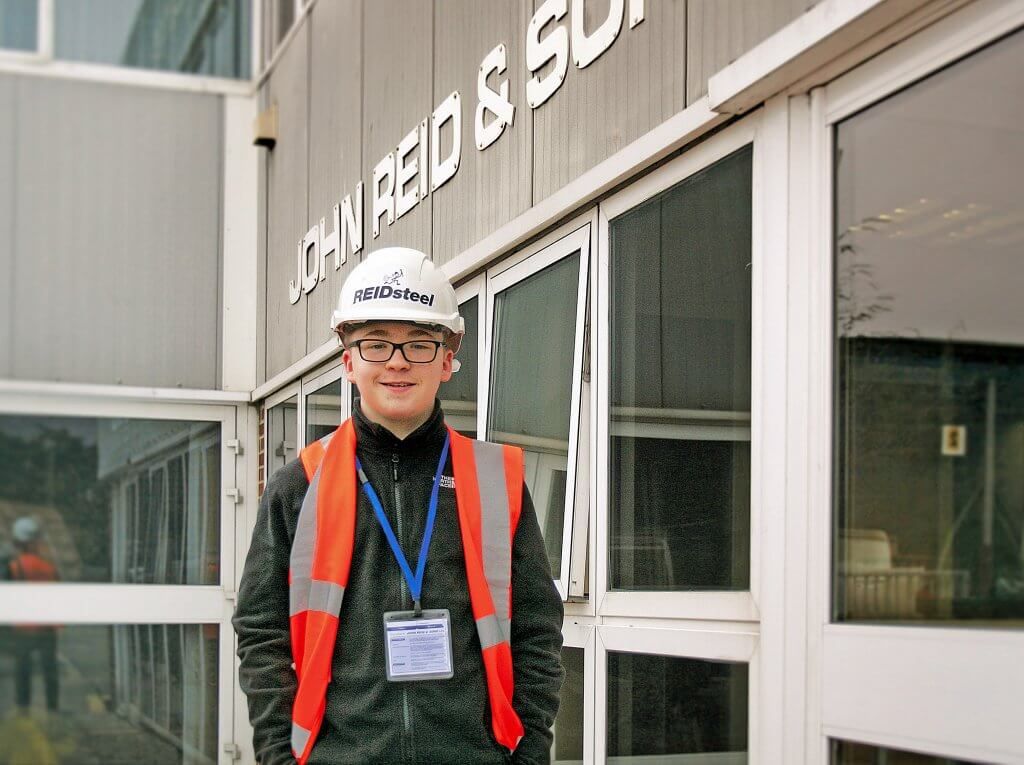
(414, 351)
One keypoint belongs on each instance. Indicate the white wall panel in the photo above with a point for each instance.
(335, 140)
(7, 211)
(287, 203)
(118, 230)
(637, 84)
(397, 95)
(719, 31)
(494, 185)
(262, 192)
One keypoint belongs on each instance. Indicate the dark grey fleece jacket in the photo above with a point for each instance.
(367, 718)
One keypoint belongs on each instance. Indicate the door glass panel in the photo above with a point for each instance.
(18, 24)
(191, 36)
(282, 434)
(567, 747)
(118, 695)
(661, 708)
(109, 500)
(534, 338)
(323, 411)
(929, 448)
(458, 395)
(680, 385)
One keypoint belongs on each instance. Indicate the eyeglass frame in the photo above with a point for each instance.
(396, 347)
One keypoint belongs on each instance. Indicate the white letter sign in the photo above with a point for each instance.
(539, 52)
(441, 171)
(495, 102)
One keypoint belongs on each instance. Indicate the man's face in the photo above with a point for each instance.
(396, 393)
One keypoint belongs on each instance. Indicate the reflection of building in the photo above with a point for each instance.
(164, 481)
(741, 276)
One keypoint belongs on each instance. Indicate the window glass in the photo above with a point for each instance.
(19, 21)
(680, 385)
(661, 707)
(567, 747)
(282, 434)
(109, 694)
(458, 395)
(531, 389)
(849, 753)
(930, 350)
(192, 36)
(109, 500)
(323, 411)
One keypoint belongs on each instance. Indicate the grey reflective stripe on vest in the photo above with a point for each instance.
(326, 597)
(490, 631)
(301, 561)
(300, 736)
(305, 592)
(494, 529)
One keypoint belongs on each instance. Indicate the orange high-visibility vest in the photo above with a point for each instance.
(488, 492)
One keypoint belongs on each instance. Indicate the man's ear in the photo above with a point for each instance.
(446, 363)
(346, 361)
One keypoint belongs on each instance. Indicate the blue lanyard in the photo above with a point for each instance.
(415, 580)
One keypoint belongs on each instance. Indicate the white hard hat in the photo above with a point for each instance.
(25, 529)
(398, 284)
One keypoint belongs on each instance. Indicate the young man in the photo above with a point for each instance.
(396, 604)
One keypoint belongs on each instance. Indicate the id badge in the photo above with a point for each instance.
(418, 647)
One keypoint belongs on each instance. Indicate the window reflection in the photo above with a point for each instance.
(208, 37)
(567, 747)
(680, 385)
(323, 411)
(458, 395)
(849, 753)
(534, 339)
(109, 694)
(930, 350)
(18, 24)
(661, 708)
(282, 444)
(110, 500)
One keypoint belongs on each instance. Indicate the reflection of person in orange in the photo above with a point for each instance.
(28, 565)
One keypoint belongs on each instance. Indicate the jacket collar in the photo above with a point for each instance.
(376, 438)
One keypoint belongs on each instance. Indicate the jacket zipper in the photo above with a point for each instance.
(410, 750)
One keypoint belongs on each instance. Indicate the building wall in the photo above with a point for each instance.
(358, 76)
(110, 223)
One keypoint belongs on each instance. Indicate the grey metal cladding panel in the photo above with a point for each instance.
(335, 133)
(720, 31)
(494, 185)
(7, 216)
(287, 204)
(119, 225)
(635, 85)
(397, 96)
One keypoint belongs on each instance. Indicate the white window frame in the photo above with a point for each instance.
(739, 606)
(719, 643)
(581, 633)
(915, 688)
(157, 604)
(575, 237)
(43, 61)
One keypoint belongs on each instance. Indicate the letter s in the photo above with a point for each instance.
(539, 52)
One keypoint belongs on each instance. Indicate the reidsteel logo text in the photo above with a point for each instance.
(383, 291)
